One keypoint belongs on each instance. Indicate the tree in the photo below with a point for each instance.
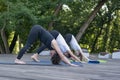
(4, 38)
(90, 19)
(101, 31)
(55, 13)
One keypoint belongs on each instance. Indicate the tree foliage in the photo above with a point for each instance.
(102, 34)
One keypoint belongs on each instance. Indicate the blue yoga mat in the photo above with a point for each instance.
(90, 61)
(41, 63)
(94, 61)
(77, 63)
(44, 63)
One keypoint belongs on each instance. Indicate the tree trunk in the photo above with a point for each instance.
(19, 41)
(12, 45)
(4, 38)
(1, 49)
(90, 19)
(55, 13)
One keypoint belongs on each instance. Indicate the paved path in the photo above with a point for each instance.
(103, 71)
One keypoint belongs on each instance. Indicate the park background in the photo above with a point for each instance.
(95, 23)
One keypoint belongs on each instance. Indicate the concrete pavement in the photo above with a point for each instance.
(103, 71)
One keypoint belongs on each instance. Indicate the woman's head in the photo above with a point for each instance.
(55, 59)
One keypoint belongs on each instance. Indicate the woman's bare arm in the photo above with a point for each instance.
(63, 58)
(73, 56)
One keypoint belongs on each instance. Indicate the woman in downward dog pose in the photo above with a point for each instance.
(38, 32)
(63, 46)
(70, 39)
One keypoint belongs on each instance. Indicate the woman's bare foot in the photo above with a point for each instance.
(17, 61)
(35, 57)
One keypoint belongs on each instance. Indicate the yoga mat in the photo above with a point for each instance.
(77, 63)
(102, 61)
(97, 61)
(90, 61)
(41, 63)
(94, 61)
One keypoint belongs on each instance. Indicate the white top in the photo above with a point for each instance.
(62, 43)
(74, 44)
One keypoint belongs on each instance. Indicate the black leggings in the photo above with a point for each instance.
(68, 38)
(37, 32)
(54, 33)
